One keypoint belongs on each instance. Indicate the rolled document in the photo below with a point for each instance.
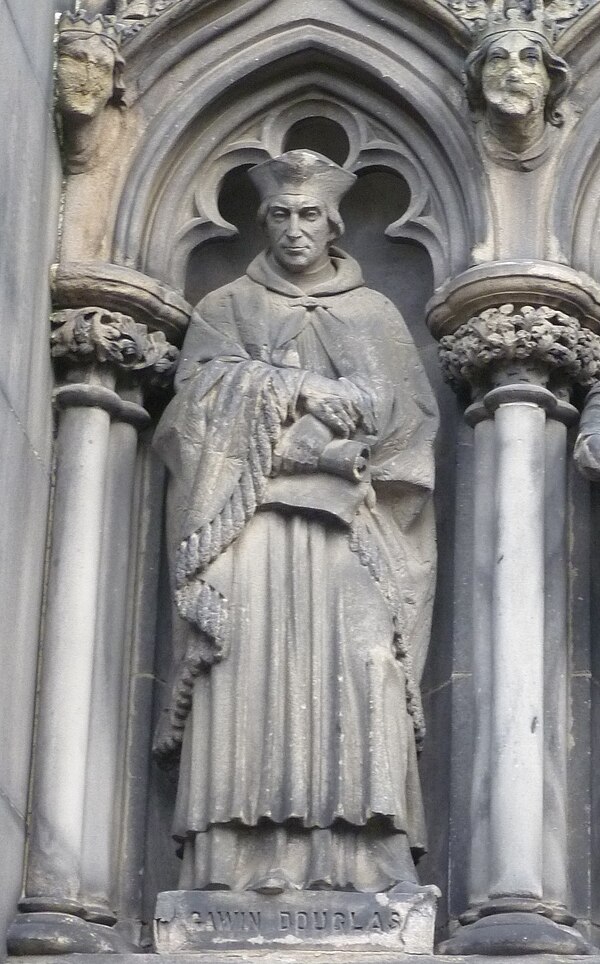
(346, 458)
(309, 446)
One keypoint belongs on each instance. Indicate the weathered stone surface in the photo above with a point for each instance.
(520, 283)
(325, 802)
(515, 81)
(29, 196)
(515, 934)
(117, 288)
(50, 933)
(201, 920)
(224, 86)
(85, 336)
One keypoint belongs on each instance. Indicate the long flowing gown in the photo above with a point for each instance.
(300, 639)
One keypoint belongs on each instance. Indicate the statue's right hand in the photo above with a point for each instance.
(587, 456)
(331, 403)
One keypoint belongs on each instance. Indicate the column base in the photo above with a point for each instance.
(517, 905)
(515, 933)
(54, 933)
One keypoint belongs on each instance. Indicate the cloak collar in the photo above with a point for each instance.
(347, 276)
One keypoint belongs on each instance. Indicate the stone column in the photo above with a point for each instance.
(519, 363)
(110, 674)
(104, 358)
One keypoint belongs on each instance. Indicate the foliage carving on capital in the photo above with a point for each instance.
(93, 335)
(503, 341)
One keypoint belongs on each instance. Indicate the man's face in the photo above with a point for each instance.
(299, 232)
(514, 77)
(85, 77)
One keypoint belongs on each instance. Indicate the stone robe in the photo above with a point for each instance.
(300, 638)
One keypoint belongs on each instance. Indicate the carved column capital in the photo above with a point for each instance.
(94, 335)
(539, 345)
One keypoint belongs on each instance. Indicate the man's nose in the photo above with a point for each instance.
(514, 67)
(294, 226)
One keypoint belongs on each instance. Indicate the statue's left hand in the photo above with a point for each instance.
(587, 456)
(331, 402)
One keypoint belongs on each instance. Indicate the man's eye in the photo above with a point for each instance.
(311, 215)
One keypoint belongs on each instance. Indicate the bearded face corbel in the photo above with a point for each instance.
(514, 82)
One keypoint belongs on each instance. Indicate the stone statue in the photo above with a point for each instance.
(300, 452)
(587, 446)
(514, 81)
(89, 77)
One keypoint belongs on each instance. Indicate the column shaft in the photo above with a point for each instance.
(556, 733)
(516, 759)
(483, 554)
(102, 799)
(54, 865)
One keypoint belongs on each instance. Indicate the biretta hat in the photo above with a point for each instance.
(302, 172)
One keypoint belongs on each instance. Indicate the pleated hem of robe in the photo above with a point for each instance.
(367, 859)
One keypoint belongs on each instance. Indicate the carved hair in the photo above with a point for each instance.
(333, 216)
(71, 39)
(557, 68)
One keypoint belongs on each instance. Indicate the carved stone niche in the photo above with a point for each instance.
(209, 94)
(519, 364)
(186, 208)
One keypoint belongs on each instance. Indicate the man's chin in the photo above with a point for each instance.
(513, 105)
(293, 266)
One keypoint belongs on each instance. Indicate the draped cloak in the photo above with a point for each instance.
(299, 641)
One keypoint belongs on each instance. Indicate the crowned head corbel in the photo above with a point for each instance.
(128, 10)
(89, 78)
(515, 81)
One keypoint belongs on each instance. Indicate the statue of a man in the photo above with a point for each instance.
(514, 80)
(300, 451)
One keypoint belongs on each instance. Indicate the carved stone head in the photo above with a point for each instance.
(515, 81)
(300, 192)
(90, 67)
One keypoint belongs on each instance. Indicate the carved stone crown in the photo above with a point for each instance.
(507, 15)
(81, 24)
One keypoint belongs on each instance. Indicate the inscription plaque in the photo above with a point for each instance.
(187, 921)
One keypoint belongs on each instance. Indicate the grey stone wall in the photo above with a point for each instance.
(29, 201)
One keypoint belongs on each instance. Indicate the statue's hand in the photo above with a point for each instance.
(587, 456)
(332, 403)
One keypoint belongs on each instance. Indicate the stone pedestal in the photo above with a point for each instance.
(204, 921)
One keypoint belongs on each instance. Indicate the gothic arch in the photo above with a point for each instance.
(227, 115)
(576, 208)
